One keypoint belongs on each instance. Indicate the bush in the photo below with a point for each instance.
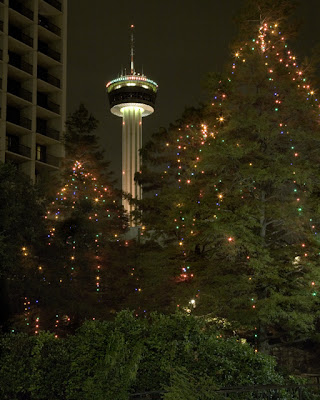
(15, 366)
(33, 367)
(105, 357)
(178, 354)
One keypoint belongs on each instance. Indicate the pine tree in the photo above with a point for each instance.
(257, 221)
(81, 143)
(82, 266)
(240, 213)
(168, 163)
(81, 263)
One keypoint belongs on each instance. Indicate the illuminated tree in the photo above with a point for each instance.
(258, 216)
(169, 162)
(240, 213)
(82, 265)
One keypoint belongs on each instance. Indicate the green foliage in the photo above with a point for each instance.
(104, 360)
(82, 144)
(21, 226)
(15, 366)
(184, 343)
(20, 218)
(167, 161)
(184, 386)
(82, 269)
(182, 355)
(50, 366)
(83, 261)
(234, 204)
(262, 163)
(33, 367)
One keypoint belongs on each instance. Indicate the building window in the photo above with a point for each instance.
(41, 153)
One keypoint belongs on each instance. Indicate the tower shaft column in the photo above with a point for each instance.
(131, 144)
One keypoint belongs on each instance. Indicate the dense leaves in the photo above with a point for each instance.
(83, 263)
(21, 226)
(169, 161)
(20, 213)
(234, 201)
(258, 215)
(110, 360)
(79, 268)
(82, 144)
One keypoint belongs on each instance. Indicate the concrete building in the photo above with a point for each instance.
(33, 37)
(131, 97)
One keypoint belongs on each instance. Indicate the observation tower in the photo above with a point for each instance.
(131, 97)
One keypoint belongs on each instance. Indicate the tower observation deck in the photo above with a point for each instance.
(131, 97)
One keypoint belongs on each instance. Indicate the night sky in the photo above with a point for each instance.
(177, 43)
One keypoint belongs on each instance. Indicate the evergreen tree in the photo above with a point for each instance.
(81, 143)
(168, 163)
(82, 261)
(258, 215)
(238, 212)
(82, 264)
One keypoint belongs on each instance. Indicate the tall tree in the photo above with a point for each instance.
(82, 143)
(169, 162)
(82, 267)
(257, 224)
(244, 205)
(82, 260)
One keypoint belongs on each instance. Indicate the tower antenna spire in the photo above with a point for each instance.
(132, 51)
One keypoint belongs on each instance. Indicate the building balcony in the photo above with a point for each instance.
(19, 120)
(49, 159)
(19, 35)
(44, 22)
(45, 76)
(45, 49)
(20, 8)
(20, 92)
(15, 61)
(54, 3)
(44, 102)
(18, 148)
(46, 131)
